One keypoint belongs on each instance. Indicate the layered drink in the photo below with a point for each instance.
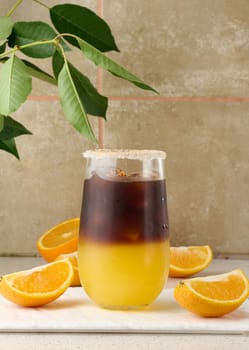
(124, 240)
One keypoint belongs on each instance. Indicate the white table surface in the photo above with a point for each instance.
(33, 340)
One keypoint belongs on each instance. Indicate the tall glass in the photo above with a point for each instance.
(124, 238)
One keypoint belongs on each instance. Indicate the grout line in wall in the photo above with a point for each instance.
(100, 8)
(43, 98)
(99, 70)
(180, 98)
(220, 99)
(100, 80)
(100, 85)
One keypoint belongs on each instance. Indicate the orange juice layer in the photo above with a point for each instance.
(123, 275)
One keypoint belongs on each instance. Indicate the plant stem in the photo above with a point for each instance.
(62, 52)
(43, 42)
(35, 43)
(101, 133)
(13, 8)
(42, 3)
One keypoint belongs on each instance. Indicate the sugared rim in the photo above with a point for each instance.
(125, 154)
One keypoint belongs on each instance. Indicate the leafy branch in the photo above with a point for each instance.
(74, 27)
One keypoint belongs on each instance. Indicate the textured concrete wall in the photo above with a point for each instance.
(196, 53)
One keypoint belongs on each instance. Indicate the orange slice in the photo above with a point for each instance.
(60, 239)
(186, 261)
(37, 286)
(73, 257)
(213, 296)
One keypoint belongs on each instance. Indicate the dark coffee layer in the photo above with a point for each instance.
(122, 212)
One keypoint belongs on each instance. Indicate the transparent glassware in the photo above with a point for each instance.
(123, 253)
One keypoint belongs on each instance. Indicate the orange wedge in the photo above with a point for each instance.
(60, 239)
(213, 296)
(73, 257)
(186, 261)
(37, 286)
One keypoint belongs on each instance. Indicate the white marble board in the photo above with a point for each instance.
(74, 312)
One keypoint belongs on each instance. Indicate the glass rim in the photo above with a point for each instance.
(137, 154)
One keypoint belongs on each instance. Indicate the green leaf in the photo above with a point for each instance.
(2, 47)
(35, 71)
(57, 64)
(15, 85)
(10, 147)
(5, 27)
(71, 104)
(94, 103)
(12, 129)
(108, 64)
(29, 32)
(80, 21)
(38, 73)
(4, 59)
(1, 123)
